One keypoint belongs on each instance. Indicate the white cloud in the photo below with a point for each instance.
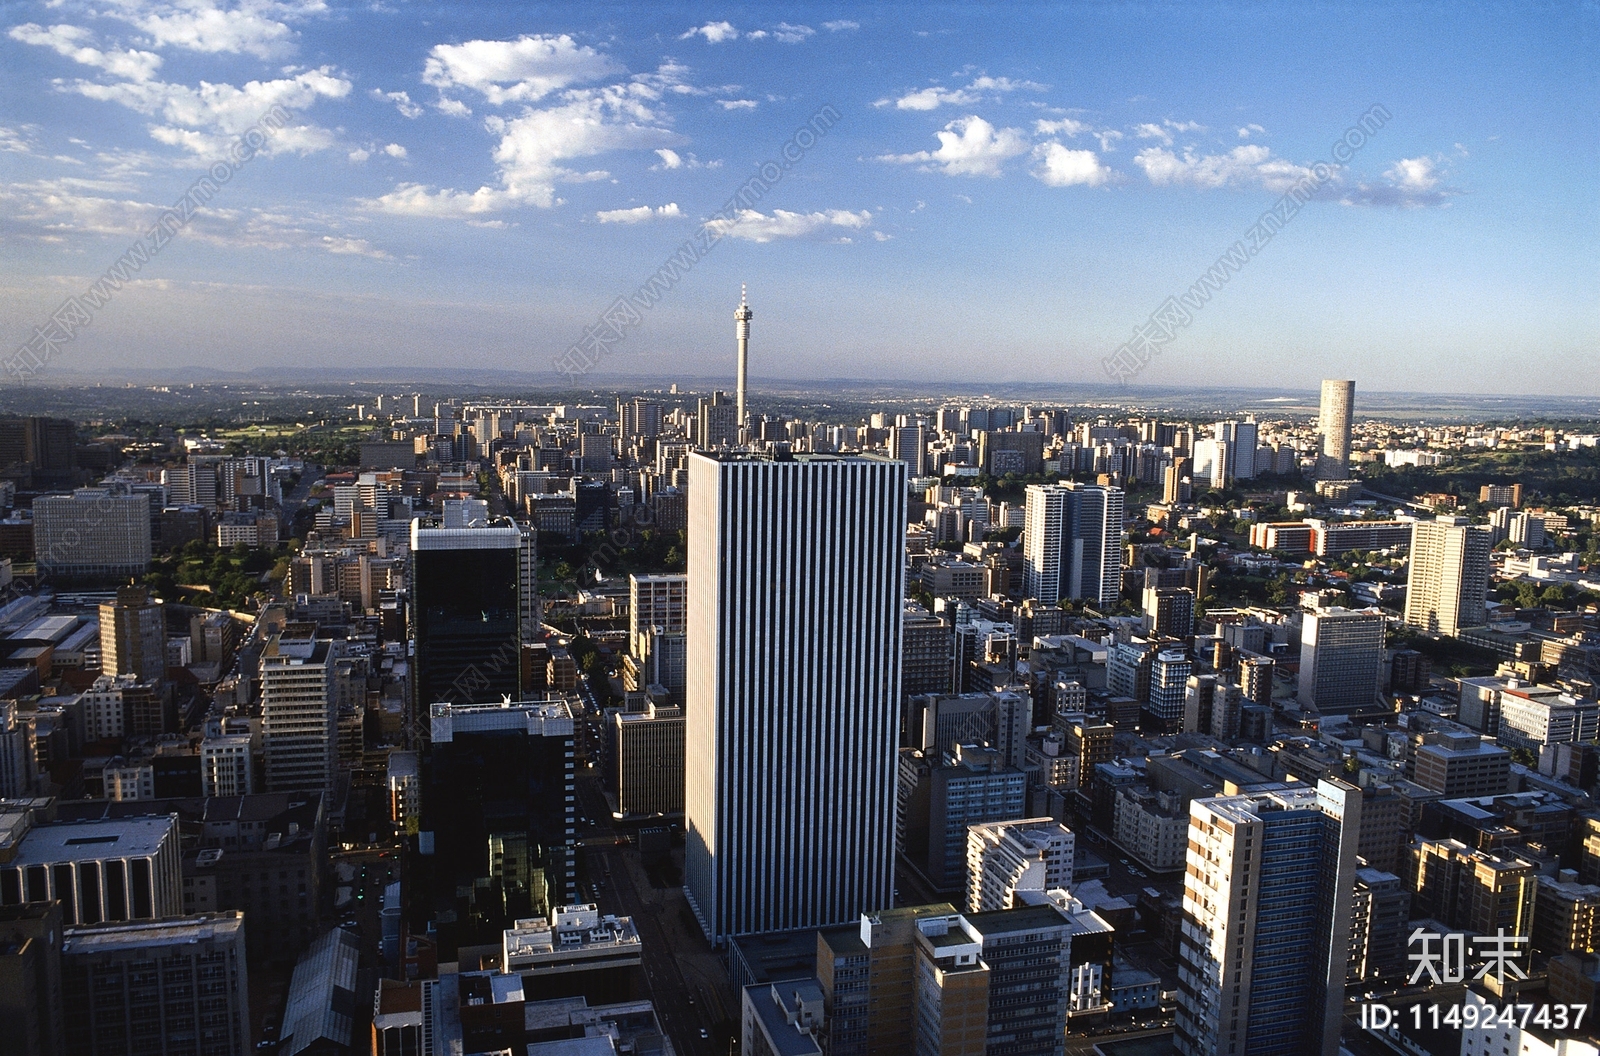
(523, 70)
(1241, 166)
(737, 104)
(1251, 129)
(54, 210)
(205, 120)
(452, 107)
(936, 96)
(840, 25)
(1413, 174)
(930, 99)
(714, 32)
(785, 33)
(1062, 167)
(1149, 131)
(359, 155)
(758, 227)
(1414, 183)
(671, 159)
(968, 146)
(73, 42)
(395, 150)
(534, 148)
(401, 100)
(203, 26)
(1066, 126)
(639, 215)
(1108, 138)
(1184, 126)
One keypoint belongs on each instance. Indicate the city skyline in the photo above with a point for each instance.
(1020, 207)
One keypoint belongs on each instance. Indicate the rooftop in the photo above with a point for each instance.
(88, 841)
(174, 931)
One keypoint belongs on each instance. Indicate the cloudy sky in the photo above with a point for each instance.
(990, 194)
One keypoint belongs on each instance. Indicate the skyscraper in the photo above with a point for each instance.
(1267, 905)
(1338, 403)
(299, 720)
(467, 613)
(796, 579)
(133, 635)
(1341, 659)
(1448, 585)
(1073, 543)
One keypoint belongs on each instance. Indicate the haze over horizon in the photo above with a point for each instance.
(1002, 198)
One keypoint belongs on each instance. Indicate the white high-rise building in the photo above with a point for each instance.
(92, 534)
(1072, 543)
(1268, 888)
(655, 601)
(1005, 857)
(909, 443)
(1448, 585)
(133, 635)
(1338, 406)
(796, 581)
(299, 723)
(226, 768)
(1341, 658)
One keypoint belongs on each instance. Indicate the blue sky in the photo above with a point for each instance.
(1005, 195)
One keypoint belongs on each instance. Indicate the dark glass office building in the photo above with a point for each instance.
(465, 614)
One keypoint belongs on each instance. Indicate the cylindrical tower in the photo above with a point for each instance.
(741, 330)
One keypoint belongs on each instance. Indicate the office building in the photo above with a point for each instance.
(176, 986)
(1448, 583)
(941, 794)
(909, 443)
(1456, 765)
(1341, 659)
(1378, 917)
(573, 948)
(1471, 890)
(925, 653)
(1032, 854)
(1333, 427)
(1090, 743)
(1169, 612)
(655, 601)
(92, 535)
(717, 420)
(1169, 683)
(30, 978)
(1267, 901)
(994, 982)
(1211, 705)
(17, 755)
(649, 761)
(639, 418)
(1534, 716)
(796, 580)
(1072, 542)
(1501, 495)
(1566, 915)
(37, 451)
(1003, 452)
(133, 635)
(100, 871)
(500, 776)
(118, 706)
(299, 719)
(467, 613)
(227, 767)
